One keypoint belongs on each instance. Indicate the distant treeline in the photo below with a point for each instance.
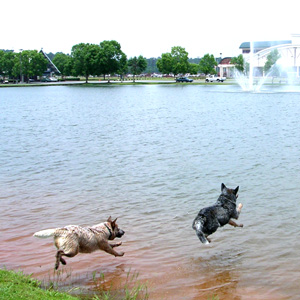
(151, 62)
(106, 58)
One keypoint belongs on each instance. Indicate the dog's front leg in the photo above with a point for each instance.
(109, 249)
(232, 223)
(116, 244)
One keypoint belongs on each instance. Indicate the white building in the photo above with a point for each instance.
(289, 51)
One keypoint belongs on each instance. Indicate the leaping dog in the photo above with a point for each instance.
(74, 239)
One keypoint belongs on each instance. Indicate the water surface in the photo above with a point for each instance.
(153, 156)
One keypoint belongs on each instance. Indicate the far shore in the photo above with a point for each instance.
(116, 82)
(102, 82)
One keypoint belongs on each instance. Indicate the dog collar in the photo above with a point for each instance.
(110, 233)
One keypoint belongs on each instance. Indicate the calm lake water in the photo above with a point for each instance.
(153, 156)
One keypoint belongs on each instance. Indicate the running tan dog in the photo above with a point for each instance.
(73, 239)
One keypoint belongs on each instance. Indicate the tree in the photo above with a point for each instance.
(193, 68)
(239, 62)
(175, 62)
(85, 59)
(111, 58)
(151, 65)
(7, 61)
(165, 63)
(137, 65)
(272, 58)
(29, 63)
(64, 63)
(123, 66)
(207, 64)
(180, 60)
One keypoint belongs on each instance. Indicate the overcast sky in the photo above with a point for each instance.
(147, 28)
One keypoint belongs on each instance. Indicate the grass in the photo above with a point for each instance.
(16, 285)
(131, 290)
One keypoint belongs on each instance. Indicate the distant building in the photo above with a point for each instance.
(289, 51)
(259, 46)
(51, 68)
(225, 68)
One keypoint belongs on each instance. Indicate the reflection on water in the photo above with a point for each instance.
(153, 156)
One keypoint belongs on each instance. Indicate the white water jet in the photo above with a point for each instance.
(251, 66)
(246, 81)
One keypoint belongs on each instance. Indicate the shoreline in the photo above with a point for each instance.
(95, 83)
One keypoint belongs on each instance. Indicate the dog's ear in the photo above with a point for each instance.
(113, 223)
(236, 190)
(223, 186)
(109, 219)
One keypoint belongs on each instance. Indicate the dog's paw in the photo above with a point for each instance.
(121, 253)
(241, 225)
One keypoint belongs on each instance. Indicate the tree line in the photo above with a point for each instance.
(107, 58)
(101, 59)
(29, 63)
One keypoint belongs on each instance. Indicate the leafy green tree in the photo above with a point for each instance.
(111, 58)
(175, 62)
(193, 68)
(137, 65)
(151, 65)
(165, 63)
(207, 64)
(64, 63)
(7, 62)
(239, 62)
(123, 66)
(85, 59)
(180, 60)
(272, 58)
(29, 63)
(2, 67)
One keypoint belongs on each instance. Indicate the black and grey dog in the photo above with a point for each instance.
(209, 219)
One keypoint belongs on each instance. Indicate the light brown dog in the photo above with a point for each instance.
(73, 239)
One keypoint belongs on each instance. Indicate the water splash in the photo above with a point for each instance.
(251, 80)
(246, 79)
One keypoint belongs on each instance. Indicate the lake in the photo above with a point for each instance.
(153, 156)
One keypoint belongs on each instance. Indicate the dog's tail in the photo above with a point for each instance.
(43, 234)
(197, 227)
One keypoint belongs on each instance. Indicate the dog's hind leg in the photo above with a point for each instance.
(60, 253)
(202, 237)
(197, 226)
(59, 259)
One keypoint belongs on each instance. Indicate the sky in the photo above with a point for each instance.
(147, 28)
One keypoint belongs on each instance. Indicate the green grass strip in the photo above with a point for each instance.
(16, 285)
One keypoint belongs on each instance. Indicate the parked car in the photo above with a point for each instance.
(184, 79)
(48, 79)
(213, 78)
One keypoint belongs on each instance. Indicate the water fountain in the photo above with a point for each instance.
(246, 81)
(252, 82)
